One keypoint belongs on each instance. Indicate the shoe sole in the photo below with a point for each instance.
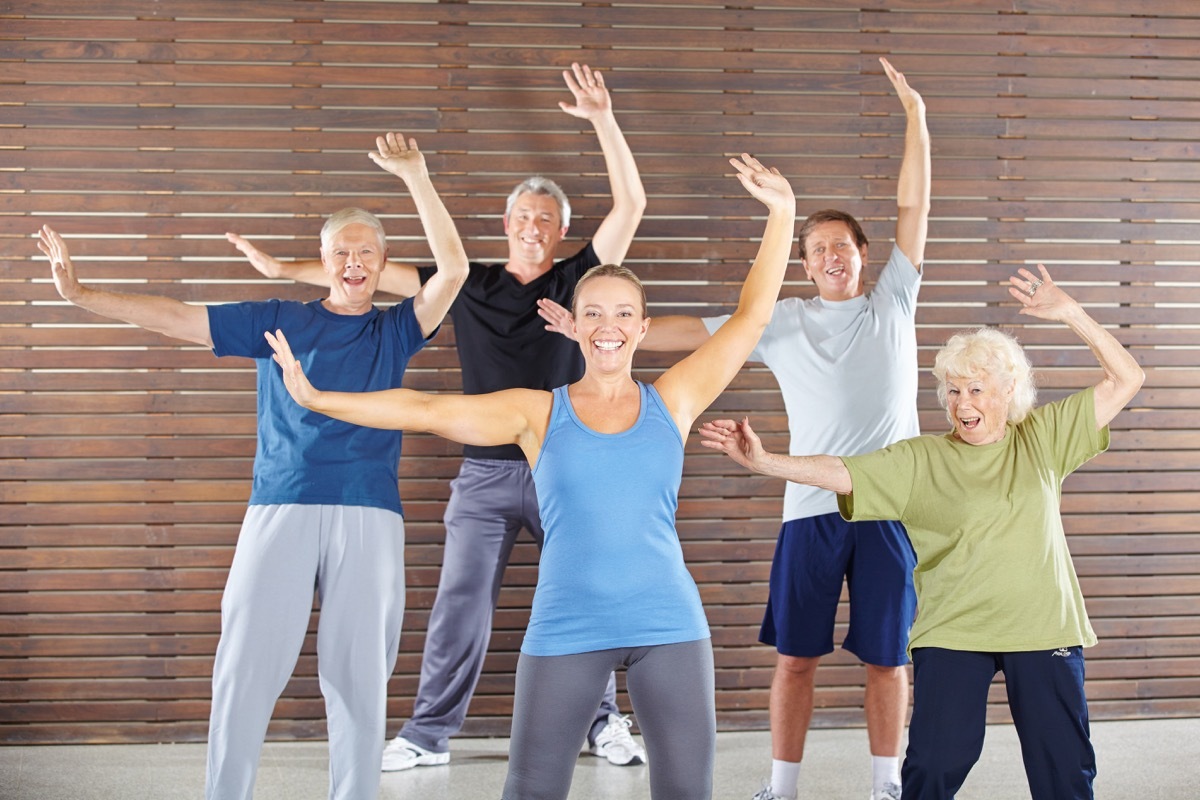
(633, 762)
(428, 760)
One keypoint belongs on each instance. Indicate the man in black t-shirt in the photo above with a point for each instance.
(503, 343)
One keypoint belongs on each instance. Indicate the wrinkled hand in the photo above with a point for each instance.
(1041, 297)
(767, 185)
(269, 266)
(402, 159)
(913, 102)
(558, 319)
(294, 378)
(61, 268)
(735, 439)
(591, 96)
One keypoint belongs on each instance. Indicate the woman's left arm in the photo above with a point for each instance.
(689, 387)
(1123, 376)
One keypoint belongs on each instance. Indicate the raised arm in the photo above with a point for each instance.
(398, 278)
(592, 102)
(691, 385)
(1123, 377)
(159, 314)
(515, 416)
(912, 192)
(738, 441)
(432, 301)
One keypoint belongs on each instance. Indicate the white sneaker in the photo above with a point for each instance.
(400, 754)
(767, 793)
(615, 743)
(889, 791)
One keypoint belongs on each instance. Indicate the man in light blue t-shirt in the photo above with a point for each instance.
(846, 362)
(325, 505)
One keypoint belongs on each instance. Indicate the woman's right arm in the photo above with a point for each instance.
(690, 386)
(515, 416)
(738, 441)
(1123, 376)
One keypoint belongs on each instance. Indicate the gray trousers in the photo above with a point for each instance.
(490, 502)
(354, 557)
(671, 687)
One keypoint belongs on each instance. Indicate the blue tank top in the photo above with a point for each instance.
(612, 572)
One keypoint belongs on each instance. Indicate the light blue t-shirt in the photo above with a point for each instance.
(612, 572)
(308, 458)
(848, 373)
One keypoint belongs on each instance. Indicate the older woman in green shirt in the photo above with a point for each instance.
(996, 589)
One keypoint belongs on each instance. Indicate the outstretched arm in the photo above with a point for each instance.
(691, 385)
(592, 102)
(398, 278)
(738, 441)
(404, 160)
(509, 417)
(1123, 377)
(912, 192)
(159, 314)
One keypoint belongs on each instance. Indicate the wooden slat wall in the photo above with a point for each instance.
(1064, 131)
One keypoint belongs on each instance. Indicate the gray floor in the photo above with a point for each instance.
(1148, 760)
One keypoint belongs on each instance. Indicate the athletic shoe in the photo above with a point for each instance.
(615, 744)
(890, 791)
(767, 793)
(400, 754)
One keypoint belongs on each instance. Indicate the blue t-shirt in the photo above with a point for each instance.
(612, 572)
(302, 456)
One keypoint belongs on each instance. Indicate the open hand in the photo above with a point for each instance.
(768, 185)
(913, 102)
(294, 378)
(1041, 297)
(735, 439)
(61, 268)
(591, 96)
(269, 266)
(558, 319)
(402, 159)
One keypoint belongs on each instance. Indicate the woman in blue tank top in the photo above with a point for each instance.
(607, 457)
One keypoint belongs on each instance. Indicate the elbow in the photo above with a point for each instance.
(1135, 381)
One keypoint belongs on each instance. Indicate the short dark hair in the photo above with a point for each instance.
(830, 215)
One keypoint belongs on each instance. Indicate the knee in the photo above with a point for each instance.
(800, 669)
(886, 675)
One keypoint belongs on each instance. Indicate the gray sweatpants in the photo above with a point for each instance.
(671, 687)
(490, 502)
(354, 557)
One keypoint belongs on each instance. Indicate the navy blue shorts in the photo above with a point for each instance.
(814, 555)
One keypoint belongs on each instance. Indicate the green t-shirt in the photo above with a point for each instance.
(993, 570)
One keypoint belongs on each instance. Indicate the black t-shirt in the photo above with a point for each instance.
(503, 343)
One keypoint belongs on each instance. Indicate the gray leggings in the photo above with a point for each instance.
(671, 687)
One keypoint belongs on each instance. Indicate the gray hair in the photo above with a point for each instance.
(543, 186)
(988, 351)
(350, 216)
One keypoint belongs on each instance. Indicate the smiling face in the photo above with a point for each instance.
(353, 258)
(834, 261)
(609, 322)
(534, 229)
(978, 407)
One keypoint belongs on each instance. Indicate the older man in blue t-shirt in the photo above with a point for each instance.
(325, 506)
